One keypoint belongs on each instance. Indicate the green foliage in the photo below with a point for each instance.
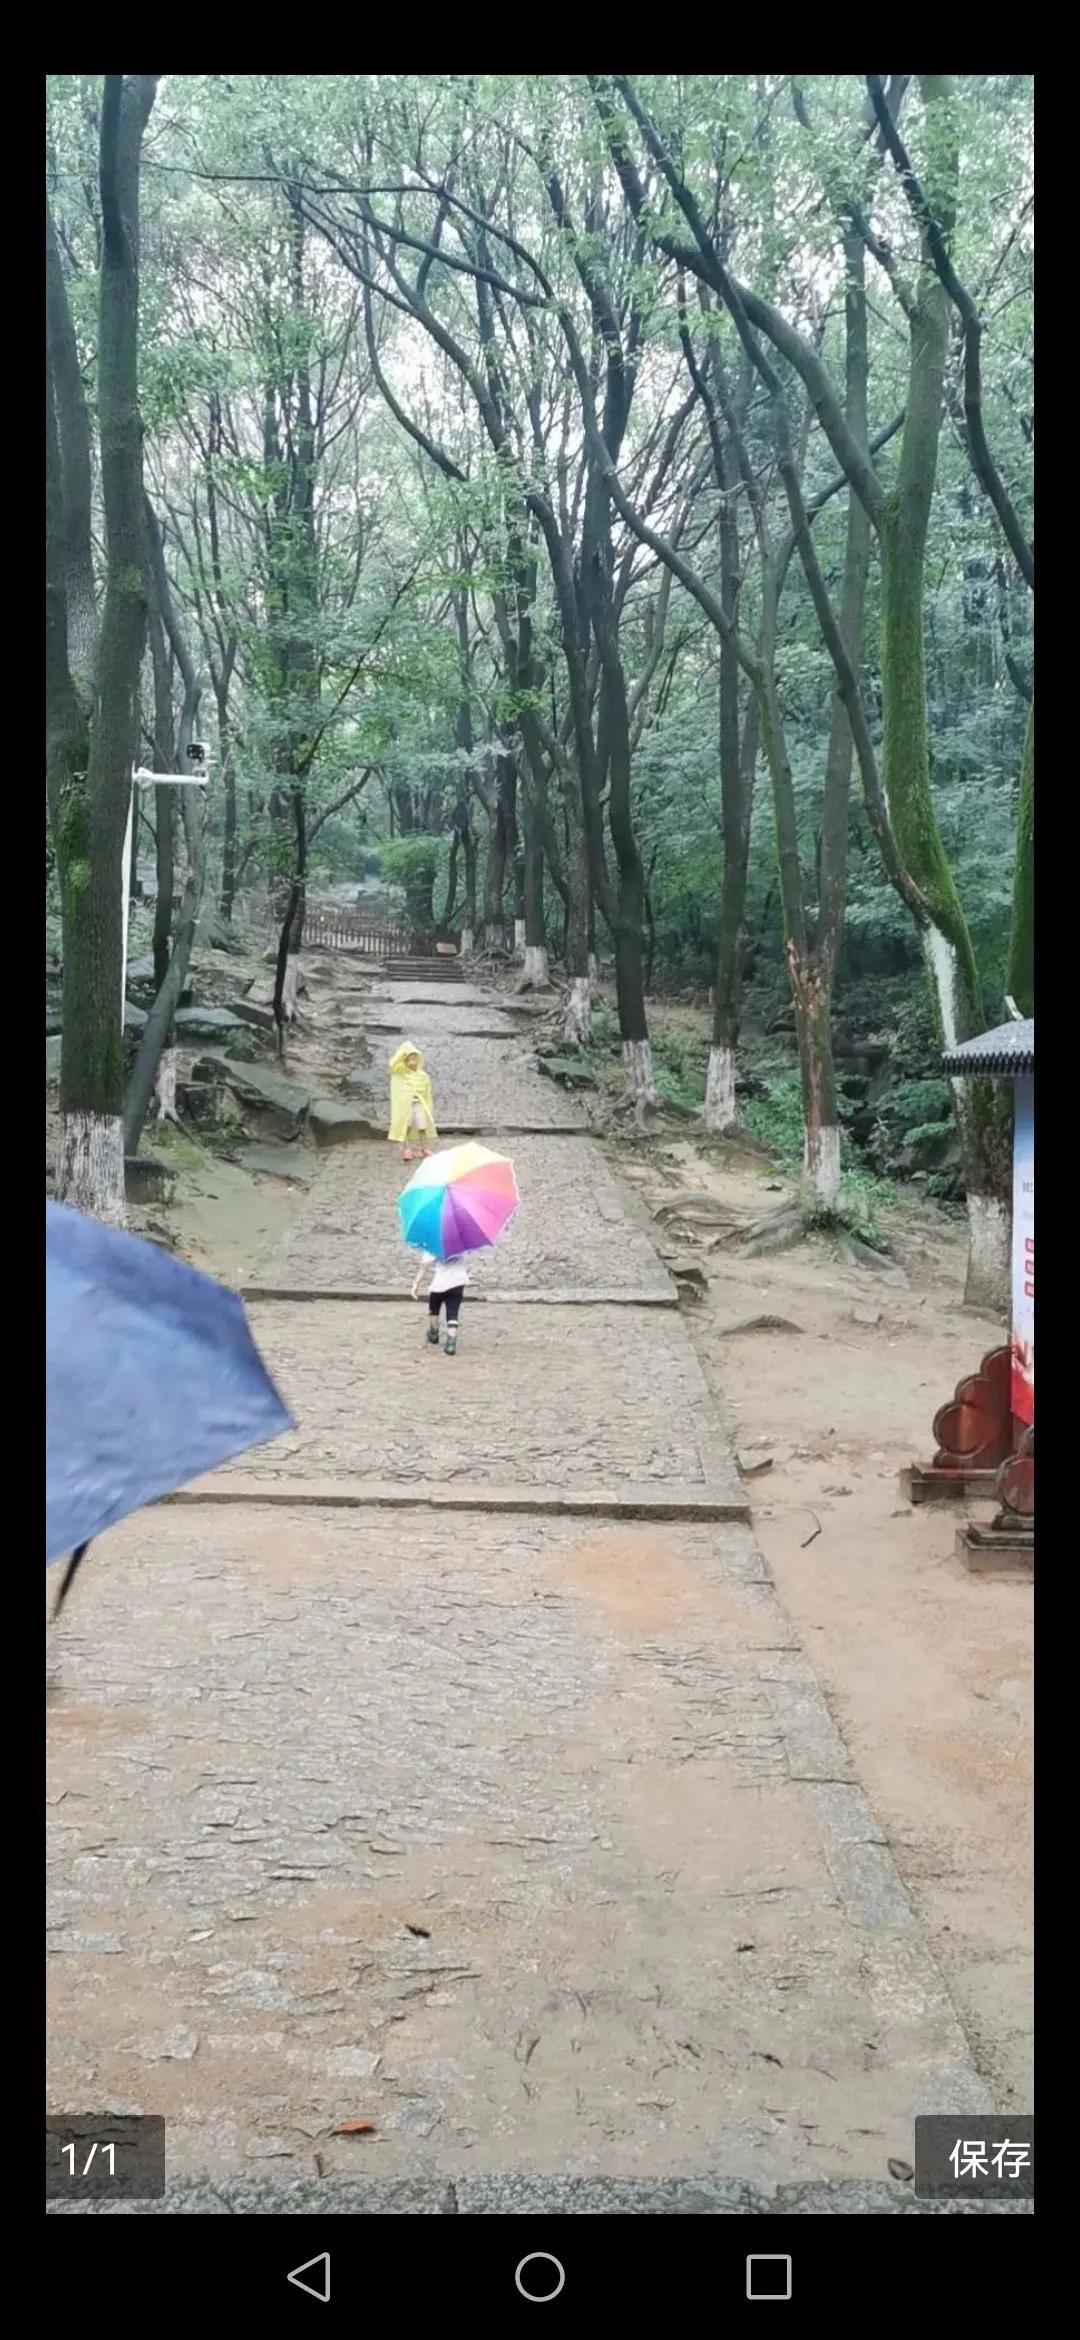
(680, 1061)
(775, 1118)
(915, 1103)
(404, 860)
(928, 1133)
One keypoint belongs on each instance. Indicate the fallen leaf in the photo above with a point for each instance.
(355, 2129)
(902, 2170)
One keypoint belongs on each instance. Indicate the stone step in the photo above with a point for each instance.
(529, 1296)
(633, 1501)
(426, 970)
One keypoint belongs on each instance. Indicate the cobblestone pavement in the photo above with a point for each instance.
(483, 1084)
(503, 1838)
(527, 1840)
(417, 995)
(577, 1228)
(431, 1027)
(576, 1396)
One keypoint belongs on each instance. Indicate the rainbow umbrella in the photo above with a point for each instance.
(458, 1201)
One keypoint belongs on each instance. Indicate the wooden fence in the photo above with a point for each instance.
(339, 930)
(353, 930)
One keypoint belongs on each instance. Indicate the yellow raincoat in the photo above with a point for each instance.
(412, 1106)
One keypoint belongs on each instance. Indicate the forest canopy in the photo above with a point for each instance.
(594, 515)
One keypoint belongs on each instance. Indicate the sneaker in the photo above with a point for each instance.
(433, 1334)
(451, 1343)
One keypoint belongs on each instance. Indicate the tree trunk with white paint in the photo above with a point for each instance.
(89, 761)
(468, 943)
(577, 1012)
(738, 760)
(519, 938)
(812, 988)
(720, 1113)
(1020, 969)
(290, 990)
(984, 1123)
(165, 1087)
(638, 1064)
(981, 1110)
(821, 1163)
(986, 1284)
(152, 1079)
(534, 974)
(90, 1166)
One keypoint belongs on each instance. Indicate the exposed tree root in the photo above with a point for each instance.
(776, 1233)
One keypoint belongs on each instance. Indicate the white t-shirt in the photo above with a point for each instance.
(450, 1274)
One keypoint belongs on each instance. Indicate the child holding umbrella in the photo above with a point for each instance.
(456, 1202)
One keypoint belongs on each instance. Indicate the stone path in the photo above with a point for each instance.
(382, 1791)
(577, 1229)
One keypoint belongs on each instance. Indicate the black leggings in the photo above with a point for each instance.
(450, 1300)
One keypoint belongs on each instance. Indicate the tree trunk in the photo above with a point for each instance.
(420, 903)
(468, 908)
(630, 996)
(155, 1060)
(1020, 974)
(502, 846)
(228, 783)
(519, 900)
(737, 763)
(450, 903)
(577, 1011)
(153, 1073)
(90, 832)
(287, 963)
(495, 877)
(950, 955)
(535, 975)
(812, 989)
(464, 833)
(164, 810)
(614, 755)
(289, 463)
(134, 889)
(164, 799)
(75, 513)
(813, 978)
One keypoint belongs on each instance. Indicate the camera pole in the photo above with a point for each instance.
(141, 778)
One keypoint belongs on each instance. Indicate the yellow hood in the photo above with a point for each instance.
(410, 1087)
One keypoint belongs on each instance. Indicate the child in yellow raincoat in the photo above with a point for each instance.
(412, 1107)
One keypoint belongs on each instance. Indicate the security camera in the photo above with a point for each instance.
(196, 755)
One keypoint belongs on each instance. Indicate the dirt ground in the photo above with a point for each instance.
(927, 1667)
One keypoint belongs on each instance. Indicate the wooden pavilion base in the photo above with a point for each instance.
(1015, 1487)
(1008, 1544)
(1004, 1548)
(981, 1451)
(973, 1437)
(929, 1483)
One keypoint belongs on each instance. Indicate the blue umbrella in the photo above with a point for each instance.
(152, 1378)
